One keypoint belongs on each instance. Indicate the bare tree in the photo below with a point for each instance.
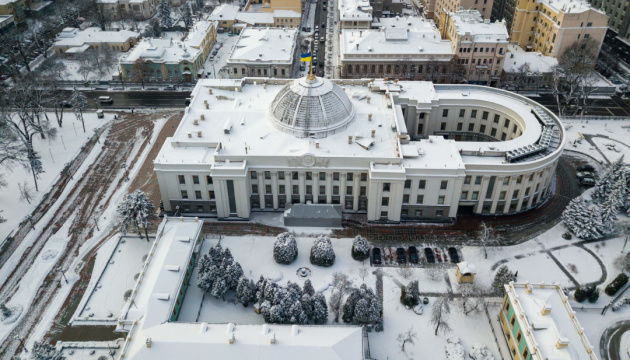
(440, 314)
(487, 237)
(86, 65)
(26, 192)
(433, 67)
(407, 337)
(455, 71)
(405, 271)
(79, 103)
(340, 287)
(140, 71)
(434, 273)
(473, 298)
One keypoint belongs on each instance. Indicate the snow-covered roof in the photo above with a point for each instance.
(264, 45)
(286, 14)
(470, 22)
(407, 39)
(355, 10)
(152, 335)
(225, 12)
(569, 6)
(93, 35)
(538, 63)
(78, 49)
(543, 332)
(253, 18)
(198, 33)
(466, 268)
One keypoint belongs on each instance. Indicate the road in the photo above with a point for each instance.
(610, 343)
(614, 106)
(147, 98)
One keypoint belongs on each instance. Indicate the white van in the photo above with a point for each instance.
(105, 99)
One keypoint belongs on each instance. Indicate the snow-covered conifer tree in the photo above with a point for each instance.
(45, 351)
(186, 15)
(285, 249)
(137, 209)
(608, 179)
(320, 309)
(410, 294)
(362, 306)
(502, 277)
(308, 288)
(322, 253)
(233, 273)
(164, 14)
(581, 220)
(245, 291)
(360, 248)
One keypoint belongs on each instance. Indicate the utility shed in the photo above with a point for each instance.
(315, 215)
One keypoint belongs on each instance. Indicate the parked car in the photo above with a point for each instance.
(187, 102)
(428, 253)
(586, 167)
(376, 256)
(105, 99)
(65, 104)
(452, 252)
(413, 255)
(587, 181)
(585, 174)
(169, 87)
(401, 255)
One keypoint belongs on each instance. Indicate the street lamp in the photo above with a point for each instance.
(22, 343)
(30, 220)
(96, 223)
(62, 274)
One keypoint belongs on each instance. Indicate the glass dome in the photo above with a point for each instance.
(311, 107)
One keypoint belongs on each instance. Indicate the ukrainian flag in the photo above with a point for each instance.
(305, 57)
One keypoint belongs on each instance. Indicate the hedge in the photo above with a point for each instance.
(616, 284)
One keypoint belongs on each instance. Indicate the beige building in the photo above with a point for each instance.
(479, 44)
(404, 48)
(73, 41)
(263, 52)
(142, 9)
(618, 13)
(550, 26)
(15, 8)
(527, 70)
(355, 14)
(231, 19)
(273, 5)
(437, 9)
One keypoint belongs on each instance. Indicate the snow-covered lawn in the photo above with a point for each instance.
(617, 130)
(54, 155)
(117, 262)
(72, 71)
(582, 266)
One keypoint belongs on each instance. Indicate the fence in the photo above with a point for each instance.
(494, 334)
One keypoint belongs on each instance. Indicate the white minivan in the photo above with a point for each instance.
(105, 99)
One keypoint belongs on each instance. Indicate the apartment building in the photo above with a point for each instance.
(438, 10)
(17, 8)
(617, 10)
(503, 10)
(479, 44)
(551, 26)
(230, 18)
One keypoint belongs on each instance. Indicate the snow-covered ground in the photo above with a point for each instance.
(617, 130)
(224, 45)
(54, 155)
(117, 263)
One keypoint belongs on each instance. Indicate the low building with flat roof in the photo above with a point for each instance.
(539, 324)
(73, 38)
(7, 23)
(266, 52)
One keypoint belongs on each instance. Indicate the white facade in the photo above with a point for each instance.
(394, 150)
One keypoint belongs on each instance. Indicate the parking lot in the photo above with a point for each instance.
(413, 256)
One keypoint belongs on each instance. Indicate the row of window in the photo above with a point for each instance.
(519, 336)
(422, 184)
(184, 194)
(309, 190)
(480, 50)
(309, 175)
(195, 179)
(419, 213)
(259, 72)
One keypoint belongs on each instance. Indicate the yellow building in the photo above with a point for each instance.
(550, 26)
(443, 7)
(15, 8)
(465, 272)
(272, 5)
(72, 41)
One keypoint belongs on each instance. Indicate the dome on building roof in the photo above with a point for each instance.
(311, 107)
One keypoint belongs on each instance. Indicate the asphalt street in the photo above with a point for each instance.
(610, 343)
(615, 106)
(146, 98)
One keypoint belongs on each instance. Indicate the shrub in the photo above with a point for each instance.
(360, 248)
(593, 294)
(580, 295)
(410, 294)
(616, 284)
(322, 253)
(285, 249)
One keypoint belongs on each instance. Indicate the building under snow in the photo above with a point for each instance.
(231, 18)
(539, 324)
(266, 52)
(152, 331)
(395, 151)
(73, 40)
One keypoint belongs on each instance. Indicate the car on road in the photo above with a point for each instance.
(428, 253)
(187, 102)
(452, 252)
(585, 174)
(586, 167)
(169, 87)
(105, 99)
(65, 104)
(401, 255)
(376, 256)
(587, 181)
(413, 255)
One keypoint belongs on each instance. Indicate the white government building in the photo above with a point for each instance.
(397, 151)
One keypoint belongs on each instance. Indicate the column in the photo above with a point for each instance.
(287, 187)
(261, 188)
(356, 188)
(302, 177)
(329, 188)
(274, 189)
(315, 188)
(342, 190)
(482, 194)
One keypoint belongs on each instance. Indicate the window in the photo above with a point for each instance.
(350, 177)
(525, 353)
(184, 194)
(386, 186)
(445, 113)
(506, 180)
(267, 189)
(473, 114)
(309, 189)
(422, 184)
(198, 194)
(208, 179)
(515, 194)
(496, 118)
(281, 175)
(253, 175)
(195, 179)
(384, 213)
(211, 195)
(441, 199)
(418, 213)
(507, 306)
(467, 180)
(439, 213)
(443, 184)
(335, 190)
(484, 116)
(420, 199)
(478, 180)
(406, 199)
(512, 320)
(363, 176)
(281, 189)
(385, 201)
(349, 190)
(296, 189)
(460, 126)
(267, 175)
(336, 176)
(518, 337)
(475, 195)
(362, 191)
(493, 132)
(199, 208)
(507, 123)
(527, 192)
(464, 195)
(519, 179)
(182, 179)
(471, 127)
(443, 126)
(589, 24)
(309, 176)
(322, 189)
(407, 184)
(254, 189)
(514, 128)
(462, 113)
(322, 176)
(294, 175)
(482, 129)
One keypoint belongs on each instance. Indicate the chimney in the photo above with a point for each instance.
(199, 133)
(205, 102)
(369, 116)
(265, 329)
(294, 330)
(357, 46)
(203, 328)
(350, 139)
(189, 135)
(562, 342)
(373, 133)
(196, 122)
(203, 117)
(210, 91)
(149, 342)
(231, 338)
(272, 337)
(368, 100)
(317, 145)
(546, 309)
